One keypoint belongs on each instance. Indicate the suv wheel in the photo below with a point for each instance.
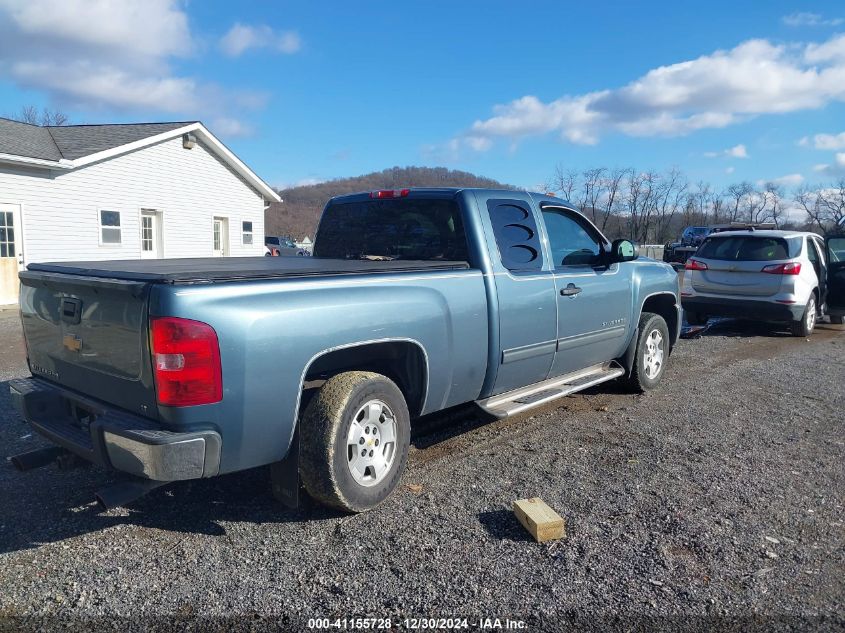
(805, 326)
(652, 352)
(837, 320)
(354, 441)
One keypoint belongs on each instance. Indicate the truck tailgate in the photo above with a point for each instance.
(90, 335)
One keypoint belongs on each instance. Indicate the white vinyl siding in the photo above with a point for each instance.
(61, 210)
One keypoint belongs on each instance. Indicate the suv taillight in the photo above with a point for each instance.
(694, 264)
(790, 268)
(186, 362)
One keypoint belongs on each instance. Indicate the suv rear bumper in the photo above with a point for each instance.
(114, 438)
(743, 308)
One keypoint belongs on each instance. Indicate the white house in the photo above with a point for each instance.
(93, 192)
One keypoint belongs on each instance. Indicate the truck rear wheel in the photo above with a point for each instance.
(652, 352)
(354, 438)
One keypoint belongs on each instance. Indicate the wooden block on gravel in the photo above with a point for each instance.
(543, 523)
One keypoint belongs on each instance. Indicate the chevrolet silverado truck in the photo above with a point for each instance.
(416, 300)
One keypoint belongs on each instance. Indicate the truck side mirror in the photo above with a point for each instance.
(624, 251)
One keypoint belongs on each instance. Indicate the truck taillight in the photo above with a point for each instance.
(389, 193)
(789, 268)
(186, 362)
(694, 264)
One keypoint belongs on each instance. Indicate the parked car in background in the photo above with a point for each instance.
(780, 276)
(414, 301)
(283, 247)
(694, 236)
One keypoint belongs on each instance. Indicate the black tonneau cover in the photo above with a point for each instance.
(212, 269)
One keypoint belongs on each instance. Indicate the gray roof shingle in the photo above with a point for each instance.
(74, 141)
(32, 141)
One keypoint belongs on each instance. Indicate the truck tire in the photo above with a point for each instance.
(695, 318)
(805, 326)
(651, 354)
(354, 438)
(837, 320)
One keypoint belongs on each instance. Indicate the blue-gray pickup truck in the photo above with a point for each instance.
(415, 301)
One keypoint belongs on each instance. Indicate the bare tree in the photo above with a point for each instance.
(612, 188)
(31, 114)
(564, 182)
(772, 207)
(670, 194)
(738, 193)
(824, 206)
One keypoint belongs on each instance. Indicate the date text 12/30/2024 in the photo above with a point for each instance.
(415, 624)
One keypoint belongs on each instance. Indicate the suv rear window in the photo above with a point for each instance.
(420, 229)
(744, 248)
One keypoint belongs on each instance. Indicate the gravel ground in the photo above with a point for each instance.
(712, 503)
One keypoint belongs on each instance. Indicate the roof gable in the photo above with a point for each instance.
(76, 141)
(75, 146)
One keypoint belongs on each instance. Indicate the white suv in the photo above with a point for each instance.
(784, 276)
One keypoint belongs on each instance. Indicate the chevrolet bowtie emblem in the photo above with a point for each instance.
(72, 342)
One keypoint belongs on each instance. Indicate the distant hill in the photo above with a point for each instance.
(300, 208)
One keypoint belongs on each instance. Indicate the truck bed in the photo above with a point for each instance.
(216, 269)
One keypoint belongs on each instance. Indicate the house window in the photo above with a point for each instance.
(7, 234)
(110, 232)
(147, 233)
(247, 231)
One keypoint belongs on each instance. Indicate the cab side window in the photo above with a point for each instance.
(571, 243)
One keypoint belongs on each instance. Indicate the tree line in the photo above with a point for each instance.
(653, 207)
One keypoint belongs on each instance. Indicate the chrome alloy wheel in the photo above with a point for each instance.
(653, 357)
(811, 314)
(371, 443)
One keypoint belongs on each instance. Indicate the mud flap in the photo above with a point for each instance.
(284, 475)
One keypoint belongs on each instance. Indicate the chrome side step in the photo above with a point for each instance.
(510, 403)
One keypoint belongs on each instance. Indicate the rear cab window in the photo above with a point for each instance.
(750, 248)
(428, 229)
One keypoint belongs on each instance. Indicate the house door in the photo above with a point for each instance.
(220, 239)
(11, 252)
(151, 247)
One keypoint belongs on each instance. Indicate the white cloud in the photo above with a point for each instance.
(790, 180)
(147, 28)
(826, 141)
(713, 91)
(729, 170)
(836, 168)
(227, 126)
(737, 151)
(242, 37)
(112, 56)
(803, 18)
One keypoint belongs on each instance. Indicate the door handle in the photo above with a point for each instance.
(570, 291)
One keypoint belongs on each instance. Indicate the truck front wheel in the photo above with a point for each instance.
(354, 437)
(652, 352)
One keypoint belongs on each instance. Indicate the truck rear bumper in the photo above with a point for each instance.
(114, 438)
